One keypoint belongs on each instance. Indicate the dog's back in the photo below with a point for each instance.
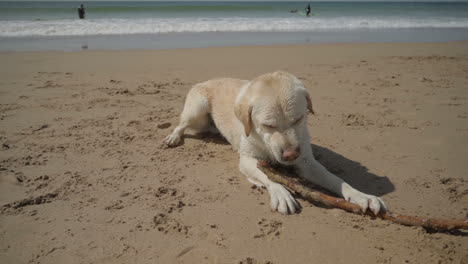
(221, 95)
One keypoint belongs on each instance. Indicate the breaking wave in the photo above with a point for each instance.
(73, 27)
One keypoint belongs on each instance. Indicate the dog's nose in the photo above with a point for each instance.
(291, 154)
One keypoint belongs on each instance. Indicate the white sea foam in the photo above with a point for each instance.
(231, 24)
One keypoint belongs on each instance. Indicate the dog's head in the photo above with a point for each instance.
(274, 108)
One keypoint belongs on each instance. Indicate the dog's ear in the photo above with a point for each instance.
(243, 111)
(309, 103)
(301, 86)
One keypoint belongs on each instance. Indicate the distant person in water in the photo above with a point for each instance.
(81, 12)
(308, 10)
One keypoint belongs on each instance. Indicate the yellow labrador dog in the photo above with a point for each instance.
(265, 118)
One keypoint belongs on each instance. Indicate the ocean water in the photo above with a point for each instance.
(132, 24)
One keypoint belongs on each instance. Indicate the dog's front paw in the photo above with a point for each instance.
(172, 140)
(366, 201)
(281, 200)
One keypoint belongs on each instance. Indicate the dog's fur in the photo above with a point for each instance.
(265, 118)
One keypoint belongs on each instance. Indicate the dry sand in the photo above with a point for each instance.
(84, 177)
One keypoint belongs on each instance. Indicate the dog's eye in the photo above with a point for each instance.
(297, 121)
(269, 126)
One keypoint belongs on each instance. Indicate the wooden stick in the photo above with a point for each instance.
(286, 178)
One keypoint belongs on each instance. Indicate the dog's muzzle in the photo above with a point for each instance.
(290, 154)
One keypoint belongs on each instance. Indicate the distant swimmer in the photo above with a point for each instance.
(293, 11)
(81, 12)
(308, 10)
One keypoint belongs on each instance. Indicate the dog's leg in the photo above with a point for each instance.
(255, 182)
(313, 171)
(175, 137)
(195, 115)
(280, 198)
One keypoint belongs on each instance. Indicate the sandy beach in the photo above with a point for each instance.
(85, 178)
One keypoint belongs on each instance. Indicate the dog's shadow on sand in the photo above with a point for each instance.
(352, 172)
(208, 138)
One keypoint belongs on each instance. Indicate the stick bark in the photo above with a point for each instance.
(286, 177)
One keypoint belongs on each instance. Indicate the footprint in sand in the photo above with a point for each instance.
(191, 254)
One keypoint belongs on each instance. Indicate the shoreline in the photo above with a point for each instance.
(401, 46)
(222, 39)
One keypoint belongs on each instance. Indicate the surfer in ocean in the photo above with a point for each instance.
(308, 10)
(81, 12)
